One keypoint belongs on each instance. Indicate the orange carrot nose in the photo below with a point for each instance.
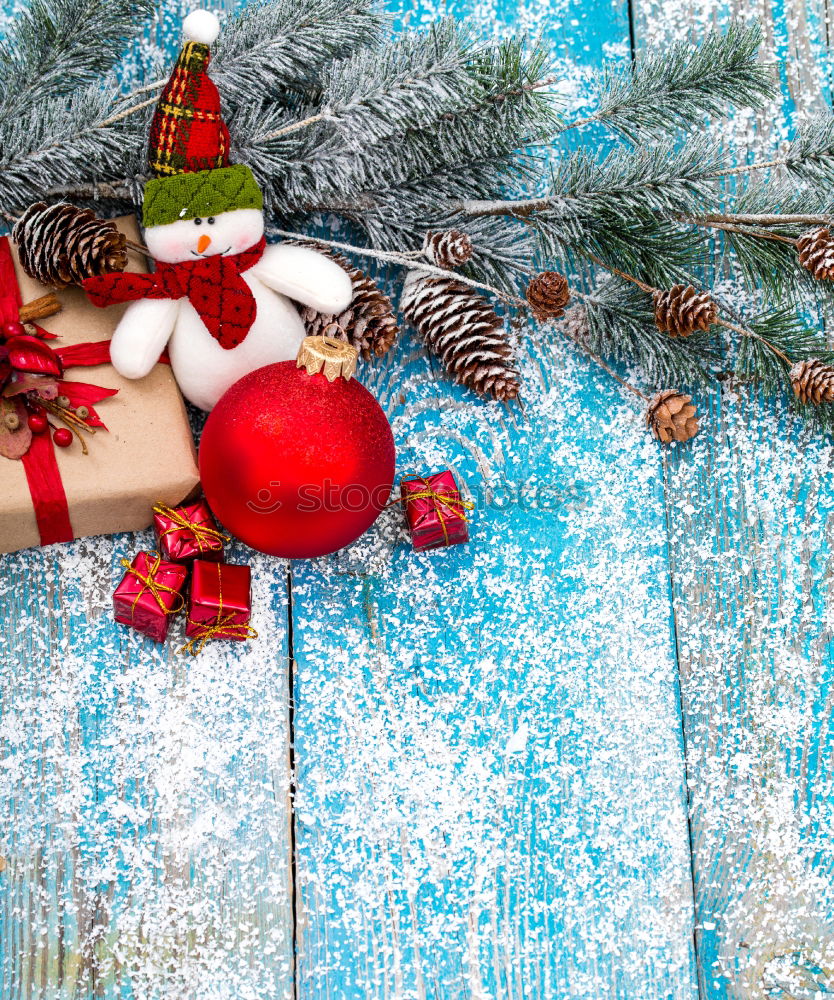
(202, 243)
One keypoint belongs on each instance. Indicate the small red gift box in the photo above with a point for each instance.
(220, 605)
(150, 592)
(189, 532)
(435, 511)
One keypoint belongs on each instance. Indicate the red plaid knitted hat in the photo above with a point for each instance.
(189, 142)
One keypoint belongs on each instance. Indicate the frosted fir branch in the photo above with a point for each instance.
(681, 85)
(517, 208)
(514, 72)
(67, 138)
(381, 92)
(286, 45)
(54, 47)
(621, 326)
(125, 112)
(122, 189)
(146, 88)
(409, 182)
(761, 234)
(398, 215)
(782, 196)
(726, 227)
(809, 157)
(764, 219)
(662, 177)
(430, 172)
(498, 105)
(492, 121)
(619, 208)
(777, 339)
(769, 261)
(496, 262)
(746, 168)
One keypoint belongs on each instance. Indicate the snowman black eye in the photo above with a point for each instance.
(197, 222)
(211, 220)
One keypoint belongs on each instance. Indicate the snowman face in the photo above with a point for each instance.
(191, 239)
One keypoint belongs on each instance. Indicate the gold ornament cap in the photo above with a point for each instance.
(328, 355)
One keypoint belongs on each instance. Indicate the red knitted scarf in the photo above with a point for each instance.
(213, 285)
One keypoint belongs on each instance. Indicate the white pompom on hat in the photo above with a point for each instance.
(201, 26)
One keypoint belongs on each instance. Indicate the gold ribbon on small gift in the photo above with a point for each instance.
(220, 628)
(455, 505)
(154, 587)
(203, 534)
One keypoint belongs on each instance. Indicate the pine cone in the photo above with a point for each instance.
(672, 417)
(62, 245)
(449, 249)
(369, 322)
(548, 294)
(816, 253)
(682, 310)
(813, 381)
(461, 328)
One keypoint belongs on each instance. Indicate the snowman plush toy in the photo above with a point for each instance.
(219, 297)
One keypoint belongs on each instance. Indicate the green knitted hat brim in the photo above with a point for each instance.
(200, 195)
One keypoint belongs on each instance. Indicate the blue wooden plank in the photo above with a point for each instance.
(144, 797)
(490, 797)
(749, 515)
(144, 814)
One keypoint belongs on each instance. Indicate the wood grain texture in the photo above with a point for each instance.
(490, 795)
(750, 542)
(144, 815)
(750, 514)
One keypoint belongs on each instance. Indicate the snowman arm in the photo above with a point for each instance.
(306, 276)
(141, 335)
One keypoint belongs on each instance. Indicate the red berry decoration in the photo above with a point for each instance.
(12, 329)
(62, 437)
(297, 460)
(37, 423)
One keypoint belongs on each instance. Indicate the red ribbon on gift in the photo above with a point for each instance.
(39, 463)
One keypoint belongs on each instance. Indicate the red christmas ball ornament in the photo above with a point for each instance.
(297, 459)
(62, 437)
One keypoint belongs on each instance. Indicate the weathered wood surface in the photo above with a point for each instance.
(144, 819)
(749, 510)
(750, 513)
(490, 793)
(489, 770)
(490, 797)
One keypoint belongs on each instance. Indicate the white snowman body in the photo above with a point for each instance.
(203, 369)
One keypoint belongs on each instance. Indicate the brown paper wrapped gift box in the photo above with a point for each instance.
(145, 455)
